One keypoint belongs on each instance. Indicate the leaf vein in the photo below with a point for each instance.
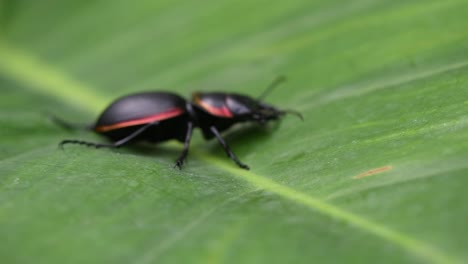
(412, 245)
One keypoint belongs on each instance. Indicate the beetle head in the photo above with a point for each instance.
(254, 110)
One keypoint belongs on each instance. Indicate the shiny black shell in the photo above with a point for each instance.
(138, 106)
(127, 114)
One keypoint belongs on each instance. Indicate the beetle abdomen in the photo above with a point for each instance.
(138, 109)
(173, 128)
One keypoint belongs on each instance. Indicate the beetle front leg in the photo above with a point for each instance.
(183, 155)
(227, 148)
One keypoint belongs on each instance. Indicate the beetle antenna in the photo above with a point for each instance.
(67, 125)
(270, 87)
(293, 112)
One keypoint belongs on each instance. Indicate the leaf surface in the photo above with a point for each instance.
(375, 173)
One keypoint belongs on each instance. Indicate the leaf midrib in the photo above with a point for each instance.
(26, 68)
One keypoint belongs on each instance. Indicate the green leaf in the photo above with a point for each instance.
(376, 173)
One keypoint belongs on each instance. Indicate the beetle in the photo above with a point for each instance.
(161, 116)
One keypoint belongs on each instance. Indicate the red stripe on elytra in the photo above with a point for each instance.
(217, 111)
(141, 121)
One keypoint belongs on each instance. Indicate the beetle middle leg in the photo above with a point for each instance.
(183, 155)
(226, 148)
(116, 144)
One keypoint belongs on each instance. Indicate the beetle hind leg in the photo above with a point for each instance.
(87, 143)
(67, 125)
(116, 144)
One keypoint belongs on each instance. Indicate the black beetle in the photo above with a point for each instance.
(161, 116)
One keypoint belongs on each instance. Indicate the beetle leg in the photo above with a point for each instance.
(183, 155)
(116, 144)
(227, 148)
(69, 126)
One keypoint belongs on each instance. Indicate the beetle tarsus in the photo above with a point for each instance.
(179, 164)
(180, 161)
(86, 143)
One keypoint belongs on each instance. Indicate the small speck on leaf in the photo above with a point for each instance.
(373, 172)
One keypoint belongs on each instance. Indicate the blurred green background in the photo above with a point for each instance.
(375, 174)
